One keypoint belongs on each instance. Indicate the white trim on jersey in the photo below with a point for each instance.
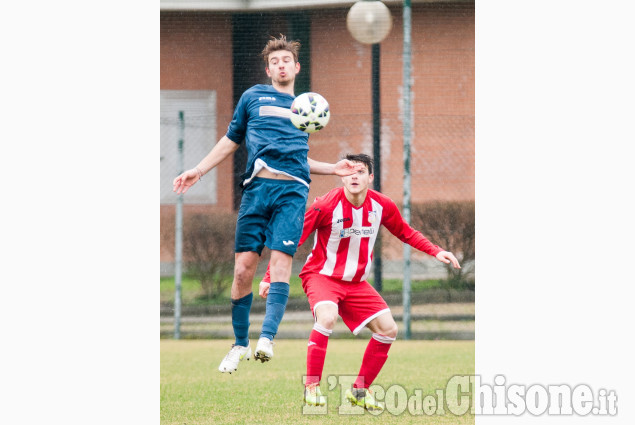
(315, 241)
(378, 210)
(352, 255)
(355, 233)
(334, 241)
(259, 164)
(274, 111)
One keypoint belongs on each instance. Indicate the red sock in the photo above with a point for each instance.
(375, 356)
(316, 353)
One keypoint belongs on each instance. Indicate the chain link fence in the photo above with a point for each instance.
(198, 131)
(209, 58)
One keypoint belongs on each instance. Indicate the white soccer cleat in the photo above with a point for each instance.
(235, 356)
(313, 395)
(264, 350)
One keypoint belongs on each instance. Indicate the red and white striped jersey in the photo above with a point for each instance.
(345, 235)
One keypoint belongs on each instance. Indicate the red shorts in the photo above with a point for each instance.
(357, 303)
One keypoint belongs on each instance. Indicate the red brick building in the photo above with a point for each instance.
(215, 52)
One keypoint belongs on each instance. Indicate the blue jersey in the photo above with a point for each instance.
(262, 117)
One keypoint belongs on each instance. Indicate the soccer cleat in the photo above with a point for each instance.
(264, 350)
(363, 397)
(235, 355)
(313, 395)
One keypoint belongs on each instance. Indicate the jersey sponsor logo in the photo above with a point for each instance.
(364, 232)
(270, 98)
(288, 243)
(274, 111)
(342, 220)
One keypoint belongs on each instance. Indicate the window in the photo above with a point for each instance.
(199, 136)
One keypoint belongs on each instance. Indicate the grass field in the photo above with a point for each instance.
(194, 392)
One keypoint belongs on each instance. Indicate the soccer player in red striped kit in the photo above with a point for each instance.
(347, 221)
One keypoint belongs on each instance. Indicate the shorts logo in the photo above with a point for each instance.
(288, 243)
(364, 232)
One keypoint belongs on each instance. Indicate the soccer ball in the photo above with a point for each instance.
(310, 112)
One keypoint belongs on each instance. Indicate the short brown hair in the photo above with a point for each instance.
(281, 43)
(363, 158)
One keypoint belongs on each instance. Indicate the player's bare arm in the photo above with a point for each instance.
(447, 258)
(219, 152)
(341, 168)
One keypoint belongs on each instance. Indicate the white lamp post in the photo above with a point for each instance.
(369, 22)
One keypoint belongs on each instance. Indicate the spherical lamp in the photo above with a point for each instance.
(369, 22)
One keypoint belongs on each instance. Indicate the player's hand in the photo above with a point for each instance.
(183, 182)
(263, 289)
(447, 258)
(345, 167)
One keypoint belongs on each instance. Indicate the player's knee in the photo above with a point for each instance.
(390, 330)
(239, 270)
(327, 320)
(242, 275)
(280, 272)
(393, 331)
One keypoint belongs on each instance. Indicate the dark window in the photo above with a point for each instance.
(251, 31)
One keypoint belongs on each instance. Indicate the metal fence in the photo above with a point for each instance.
(196, 48)
(188, 137)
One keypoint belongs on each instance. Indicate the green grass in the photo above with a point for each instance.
(194, 392)
(396, 285)
(191, 289)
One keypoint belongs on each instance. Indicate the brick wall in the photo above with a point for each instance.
(196, 54)
(442, 161)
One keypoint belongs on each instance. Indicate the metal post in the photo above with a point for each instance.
(406, 162)
(178, 249)
(377, 154)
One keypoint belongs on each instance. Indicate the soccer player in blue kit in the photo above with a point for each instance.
(275, 191)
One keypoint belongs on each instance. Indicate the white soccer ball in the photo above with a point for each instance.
(310, 112)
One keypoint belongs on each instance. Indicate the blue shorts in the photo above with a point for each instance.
(272, 214)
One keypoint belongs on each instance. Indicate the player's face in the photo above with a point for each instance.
(282, 68)
(359, 182)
